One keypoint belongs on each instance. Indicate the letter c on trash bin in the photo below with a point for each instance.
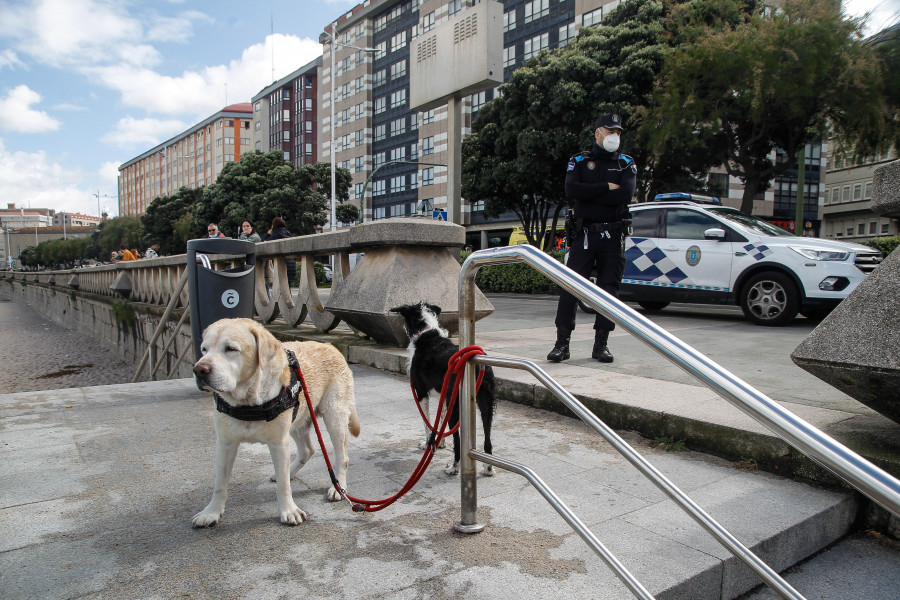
(230, 299)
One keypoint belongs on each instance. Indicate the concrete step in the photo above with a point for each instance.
(98, 485)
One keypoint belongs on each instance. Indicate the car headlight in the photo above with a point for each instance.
(814, 254)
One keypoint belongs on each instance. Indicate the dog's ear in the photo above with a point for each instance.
(267, 346)
(397, 309)
(435, 309)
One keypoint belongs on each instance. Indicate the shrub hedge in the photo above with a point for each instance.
(514, 279)
(885, 244)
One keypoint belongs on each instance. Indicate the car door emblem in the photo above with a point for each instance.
(692, 256)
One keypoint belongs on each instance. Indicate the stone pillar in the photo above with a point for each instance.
(406, 261)
(857, 347)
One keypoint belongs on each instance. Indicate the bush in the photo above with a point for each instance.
(514, 279)
(885, 245)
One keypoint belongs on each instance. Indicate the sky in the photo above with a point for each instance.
(86, 85)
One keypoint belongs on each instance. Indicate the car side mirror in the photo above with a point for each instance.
(714, 233)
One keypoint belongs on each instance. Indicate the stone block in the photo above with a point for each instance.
(886, 190)
(855, 349)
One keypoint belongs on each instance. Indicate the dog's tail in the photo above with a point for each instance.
(354, 421)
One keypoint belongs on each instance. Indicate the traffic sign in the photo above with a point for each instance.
(439, 215)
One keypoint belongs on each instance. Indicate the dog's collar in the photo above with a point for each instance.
(288, 398)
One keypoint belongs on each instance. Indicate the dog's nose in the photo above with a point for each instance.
(201, 368)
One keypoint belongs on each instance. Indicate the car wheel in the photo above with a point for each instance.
(770, 298)
(651, 306)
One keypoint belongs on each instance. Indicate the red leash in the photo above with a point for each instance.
(455, 367)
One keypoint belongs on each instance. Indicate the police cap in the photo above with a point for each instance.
(610, 121)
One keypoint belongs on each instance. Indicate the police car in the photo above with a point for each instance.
(686, 248)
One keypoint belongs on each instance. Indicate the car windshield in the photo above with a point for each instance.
(750, 222)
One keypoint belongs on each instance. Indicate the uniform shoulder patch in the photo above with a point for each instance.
(576, 159)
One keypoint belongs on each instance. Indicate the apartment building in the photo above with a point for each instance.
(193, 158)
(66, 219)
(847, 207)
(285, 116)
(13, 217)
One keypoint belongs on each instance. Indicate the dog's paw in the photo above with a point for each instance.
(293, 516)
(332, 495)
(424, 444)
(452, 469)
(206, 518)
(488, 471)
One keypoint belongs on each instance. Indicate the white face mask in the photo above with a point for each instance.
(611, 142)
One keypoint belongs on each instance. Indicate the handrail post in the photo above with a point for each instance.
(468, 522)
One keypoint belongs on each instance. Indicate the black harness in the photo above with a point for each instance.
(288, 398)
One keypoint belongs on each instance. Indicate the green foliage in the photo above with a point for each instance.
(123, 314)
(749, 80)
(164, 219)
(261, 187)
(514, 279)
(885, 245)
(670, 444)
(114, 232)
(347, 213)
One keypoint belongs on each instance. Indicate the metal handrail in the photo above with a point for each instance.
(857, 471)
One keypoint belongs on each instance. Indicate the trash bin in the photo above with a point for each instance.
(215, 294)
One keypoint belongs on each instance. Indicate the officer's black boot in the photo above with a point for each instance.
(601, 351)
(560, 350)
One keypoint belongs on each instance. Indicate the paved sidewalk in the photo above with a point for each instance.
(98, 486)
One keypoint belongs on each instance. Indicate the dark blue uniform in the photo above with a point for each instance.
(600, 240)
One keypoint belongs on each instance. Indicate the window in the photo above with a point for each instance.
(308, 104)
(359, 164)
(428, 146)
(413, 181)
(380, 132)
(398, 69)
(380, 23)
(359, 111)
(566, 34)
(868, 194)
(478, 101)
(414, 152)
(873, 226)
(308, 126)
(885, 227)
(861, 229)
(379, 187)
(428, 117)
(380, 78)
(398, 41)
(380, 50)
(378, 160)
(849, 231)
(536, 10)
(398, 153)
(857, 192)
(286, 137)
(308, 149)
(398, 127)
(687, 224)
(398, 99)
(644, 223)
(258, 145)
(428, 22)
(378, 213)
(453, 7)
(398, 184)
(536, 44)
(358, 190)
(509, 57)
(428, 176)
(359, 85)
(592, 18)
(345, 142)
(380, 105)
(256, 106)
(509, 21)
(836, 195)
(847, 198)
(359, 137)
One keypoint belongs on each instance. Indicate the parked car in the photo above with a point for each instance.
(702, 252)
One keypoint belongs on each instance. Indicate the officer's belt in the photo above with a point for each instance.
(595, 227)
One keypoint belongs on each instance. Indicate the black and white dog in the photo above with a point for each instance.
(429, 354)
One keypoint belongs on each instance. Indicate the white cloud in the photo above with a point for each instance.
(202, 93)
(33, 179)
(16, 113)
(142, 133)
(9, 59)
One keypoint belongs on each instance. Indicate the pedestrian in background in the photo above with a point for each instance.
(152, 251)
(213, 230)
(601, 183)
(248, 231)
(279, 231)
(125, 253)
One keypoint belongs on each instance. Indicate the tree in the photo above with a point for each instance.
(261, 187)
(347, 213)
(515, 159)
(771, 81)
(160, 220)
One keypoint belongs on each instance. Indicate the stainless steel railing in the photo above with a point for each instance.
(858, 472)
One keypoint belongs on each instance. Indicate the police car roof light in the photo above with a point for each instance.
(682, 196)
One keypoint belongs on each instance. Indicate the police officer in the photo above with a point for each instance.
(601, 183)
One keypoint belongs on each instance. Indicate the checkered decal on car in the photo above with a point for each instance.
(758, 251)
(646, 262)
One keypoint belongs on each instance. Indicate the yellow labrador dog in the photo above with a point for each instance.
(249, 371)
